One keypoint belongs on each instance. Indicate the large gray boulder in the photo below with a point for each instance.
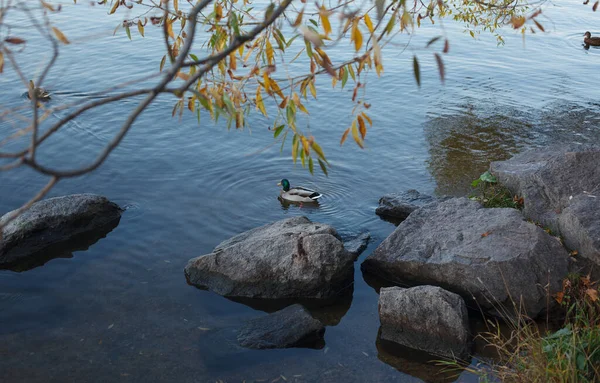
(291, 258)
(397, 206)
(579, 225)
(561, 189)
(426, 318)
(548, 178)
(55, 222)
(491, 255)
(291, 327)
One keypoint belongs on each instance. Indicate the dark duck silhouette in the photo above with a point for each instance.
(589, 40)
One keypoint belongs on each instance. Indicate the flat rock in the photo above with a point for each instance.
(426, 318)
(291, 258)
(53, 222)
(291, 327)
(491, 255)
(399, 205)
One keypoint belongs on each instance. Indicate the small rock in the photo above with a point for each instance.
(56, 221)
(357, 245)
(426, 318)
(291, 258)
(291, 327)
(399, 205)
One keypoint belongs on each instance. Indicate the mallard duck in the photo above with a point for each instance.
(589, 40)
(40, 93)
(297, 194)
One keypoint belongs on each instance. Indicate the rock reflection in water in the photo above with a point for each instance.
(416, 363)
(63, 249)
(462, 146)
(329, 311)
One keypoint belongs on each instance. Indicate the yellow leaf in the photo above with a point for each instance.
(356, 36)
(367, 118)
(593, 294)
(259, 102)
(60, 36)
(140, 27)
(267, 82)
(305, 146)
(325, 20)
(1, 62)
(176, 5)
(270, 53)
(183, 76)
(311, 86)
(114, 7)
(317, 148)
(47, 6)
(369, 23)
(170, 28)
(356, 135)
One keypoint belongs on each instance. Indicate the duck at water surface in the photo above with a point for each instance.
(40, 93)
(589, 40)
(297, 194)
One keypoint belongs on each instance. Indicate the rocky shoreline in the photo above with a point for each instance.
(453, 251)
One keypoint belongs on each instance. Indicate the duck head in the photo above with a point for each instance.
(587, 35)
(285, 184)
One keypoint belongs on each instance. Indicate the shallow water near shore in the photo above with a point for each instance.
(122, 310)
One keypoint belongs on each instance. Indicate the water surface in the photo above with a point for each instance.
(122, 311)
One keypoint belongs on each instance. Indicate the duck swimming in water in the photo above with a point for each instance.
(589, 40)
(297, 194)
(40, 93)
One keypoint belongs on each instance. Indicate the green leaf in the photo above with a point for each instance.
(581, 362)
(416, 70)
(475, 183)
(309, 51)
(233, 22)
(314, 23)
(344, 77)
(488, 177)
(311, 167)
(317, 148)
(323, 167)
(194, 57)
(278, 131)
(128, 31)
(433, 40)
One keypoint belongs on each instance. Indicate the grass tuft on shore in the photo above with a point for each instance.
(529, 354)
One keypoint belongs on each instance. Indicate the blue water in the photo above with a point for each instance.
(122, 311)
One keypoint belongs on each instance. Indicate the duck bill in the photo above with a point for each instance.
(279, 184)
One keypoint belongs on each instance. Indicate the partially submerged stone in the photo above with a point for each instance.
(358, 244)
(397, 206)
(291, 258)
(291, 327)
(63, 222)
(426, 318)
(491, 255)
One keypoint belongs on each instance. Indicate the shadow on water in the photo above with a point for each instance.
(62, 250)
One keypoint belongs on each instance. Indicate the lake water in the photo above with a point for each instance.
(122, 311)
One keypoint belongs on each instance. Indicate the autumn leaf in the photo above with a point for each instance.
(14, 40)
(60, 36)
(486, 234)
(344, 136)
(593, 294)
(416, 70)
(559, 297)
(440, 65)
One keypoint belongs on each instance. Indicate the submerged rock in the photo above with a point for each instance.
(56, 226)
(397, 206)
(291, 258)
(426, 318)
(291, 327)
(491, 255)
(561, 189)
(358, 244)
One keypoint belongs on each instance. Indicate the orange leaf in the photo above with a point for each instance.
(361, 127)
(14, 40)
(593, 294)
(559, 297)
(486, 234)
(344, 136)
